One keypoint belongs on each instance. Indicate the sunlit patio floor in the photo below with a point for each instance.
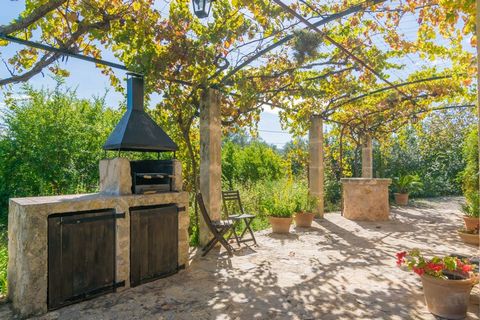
(338, 269)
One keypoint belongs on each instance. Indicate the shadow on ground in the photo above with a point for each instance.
(339, 269)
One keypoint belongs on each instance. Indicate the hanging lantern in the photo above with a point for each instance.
(414, 119)
(201, 8)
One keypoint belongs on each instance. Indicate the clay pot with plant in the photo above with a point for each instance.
(404, 185)
(279, 209)
(470, 236)
(305, 206)
(447, 282)
(471, 212)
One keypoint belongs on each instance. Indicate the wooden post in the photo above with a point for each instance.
(210, 158)
(316, 165)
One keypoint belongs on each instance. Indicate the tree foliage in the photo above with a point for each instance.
(52, 143)
(471, 188)
(251, 163)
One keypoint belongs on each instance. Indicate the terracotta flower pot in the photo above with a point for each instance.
(471, 223)
(470, 238)
(447, 298)
(303, 219)
(401, 198)
(280, 225)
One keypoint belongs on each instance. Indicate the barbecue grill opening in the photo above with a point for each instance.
(152, 176)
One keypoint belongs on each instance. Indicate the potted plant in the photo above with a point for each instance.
(404, 185)
(469, 236)
(305, 206)
(279, 209)
(471, 212)
(447, 282)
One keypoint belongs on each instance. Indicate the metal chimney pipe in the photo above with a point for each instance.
(135, 92)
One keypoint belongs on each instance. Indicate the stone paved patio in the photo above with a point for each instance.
(339, 269)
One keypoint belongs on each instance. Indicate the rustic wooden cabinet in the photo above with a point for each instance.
(81, 256)
(153, 243)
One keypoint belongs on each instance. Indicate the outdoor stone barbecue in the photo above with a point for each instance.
(68, 248)
(28, 269)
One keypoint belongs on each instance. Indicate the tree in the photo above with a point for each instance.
(77, 26)
(52, 144)
(251, 163)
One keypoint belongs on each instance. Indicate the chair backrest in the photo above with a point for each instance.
(203, 210)
(232, 197)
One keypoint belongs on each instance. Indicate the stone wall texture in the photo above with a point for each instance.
(28, 234)
(366, 199)
(115, 177)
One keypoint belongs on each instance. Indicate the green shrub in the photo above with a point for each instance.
(251, 163)
(3, 262)
(409, 183)
(472, 207)
(303, 201)
(52, 144)
(281, 200)
(470, 175)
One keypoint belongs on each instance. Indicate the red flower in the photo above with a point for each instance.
(467, 268)
(400, 257)
(435, 266)
(464, 267)
(419, 271)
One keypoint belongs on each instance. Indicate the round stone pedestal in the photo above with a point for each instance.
(366, 199)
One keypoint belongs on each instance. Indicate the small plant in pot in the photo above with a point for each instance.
(404, 185)
(471, 211)
(447, 282)
(470, 236)
(305, 206)
(279, 209)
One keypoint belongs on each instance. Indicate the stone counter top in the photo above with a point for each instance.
(366, 180)
(99, 198)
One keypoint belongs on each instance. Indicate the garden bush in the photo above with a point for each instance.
(52, 144)
(470, 174)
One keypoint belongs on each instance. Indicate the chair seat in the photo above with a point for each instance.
(223, 223)
(242, 216)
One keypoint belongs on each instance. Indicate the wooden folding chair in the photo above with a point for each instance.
(217, 228)
(232, 199)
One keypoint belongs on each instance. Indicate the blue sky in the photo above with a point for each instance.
(89, 81)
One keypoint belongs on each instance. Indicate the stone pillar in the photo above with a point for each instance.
(316, 166)
(367, 158)
(210, 158)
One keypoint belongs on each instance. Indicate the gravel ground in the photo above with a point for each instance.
(338, 269)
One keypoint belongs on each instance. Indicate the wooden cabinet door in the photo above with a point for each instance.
(81, 256)
(153, 243)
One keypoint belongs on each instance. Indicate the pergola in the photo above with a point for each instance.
(210, 108)
(211, 132)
